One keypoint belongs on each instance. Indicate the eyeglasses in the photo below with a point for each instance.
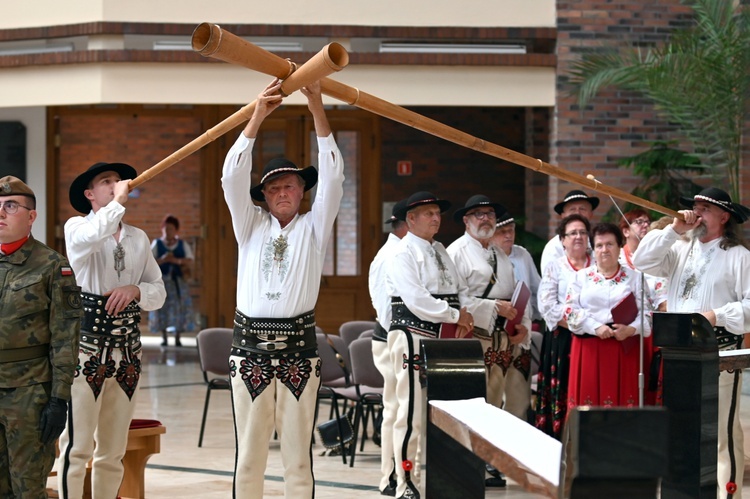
(575, 233)
(640, 221)
(482, 215)
(11, 207)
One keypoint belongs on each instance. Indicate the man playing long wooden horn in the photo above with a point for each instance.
(709, 275)
(119, 277)
(274, 363)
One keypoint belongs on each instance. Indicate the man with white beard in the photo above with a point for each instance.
(489, 275)
(709, 275)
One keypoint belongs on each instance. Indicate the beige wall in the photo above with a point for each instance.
(227, 84)
(495, 13)
(34, 119)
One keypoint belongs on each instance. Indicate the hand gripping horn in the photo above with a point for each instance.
(333, 57)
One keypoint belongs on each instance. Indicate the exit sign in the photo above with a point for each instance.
(403, 168)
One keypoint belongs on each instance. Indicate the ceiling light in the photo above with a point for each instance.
(451, 48)
(270, 46)
(37, 49)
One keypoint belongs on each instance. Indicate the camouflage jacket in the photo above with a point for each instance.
(39, 303)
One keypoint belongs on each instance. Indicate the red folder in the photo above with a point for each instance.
(448, 332)
(520, 299)
(625, 311)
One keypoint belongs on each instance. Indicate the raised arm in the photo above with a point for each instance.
(315, 105)
(268, 101)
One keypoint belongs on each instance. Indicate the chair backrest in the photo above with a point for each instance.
(363, 365)
(214, 348)
(330, 368)
(367, 334)
(351, 330)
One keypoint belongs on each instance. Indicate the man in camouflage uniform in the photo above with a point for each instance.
(40, 307)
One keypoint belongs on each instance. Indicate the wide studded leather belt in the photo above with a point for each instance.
(275, 337)
(403, 318)
(96, 320)
(379, 334)
(726, 340)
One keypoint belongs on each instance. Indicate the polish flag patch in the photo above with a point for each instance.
(66, 271)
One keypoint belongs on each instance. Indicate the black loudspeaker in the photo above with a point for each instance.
(13, 149)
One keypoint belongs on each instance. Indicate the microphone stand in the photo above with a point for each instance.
(641, 346)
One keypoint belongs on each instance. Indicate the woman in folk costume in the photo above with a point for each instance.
(174, 257)
(604, 354)
(552, 380)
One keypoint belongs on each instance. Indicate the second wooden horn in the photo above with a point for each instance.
(333, 57)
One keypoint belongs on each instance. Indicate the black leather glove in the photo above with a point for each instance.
(54, 417)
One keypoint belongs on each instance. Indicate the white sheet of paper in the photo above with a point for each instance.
(533, 448)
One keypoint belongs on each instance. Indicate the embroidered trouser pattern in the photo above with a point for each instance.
(410, 423)
(102, 404)
(508, 381)
(269, 394)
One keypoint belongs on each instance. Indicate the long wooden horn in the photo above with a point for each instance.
(332, 57)
(230, 48)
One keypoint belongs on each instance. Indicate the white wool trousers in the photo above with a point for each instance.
(274, 407)
(382, 358)
(97, 427)
(731, 448)
(410, 398)
(507, 389)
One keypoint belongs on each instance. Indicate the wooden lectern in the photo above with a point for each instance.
(691, 395)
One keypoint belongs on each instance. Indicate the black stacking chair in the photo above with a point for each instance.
(214, 347)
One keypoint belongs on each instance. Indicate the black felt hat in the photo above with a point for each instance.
(505, 219)
(476, 201)
(81, 183)
(719, 198)
(398, 212)
(576, 196)
(282, 166)
(421, 198)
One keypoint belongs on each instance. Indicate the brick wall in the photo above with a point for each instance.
(454, 172)
(140, 140)
(616, 124)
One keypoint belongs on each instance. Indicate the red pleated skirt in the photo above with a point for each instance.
(603, 372)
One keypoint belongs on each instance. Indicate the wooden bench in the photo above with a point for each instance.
(142, 444)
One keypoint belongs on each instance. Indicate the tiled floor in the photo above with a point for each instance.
(173, 391)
